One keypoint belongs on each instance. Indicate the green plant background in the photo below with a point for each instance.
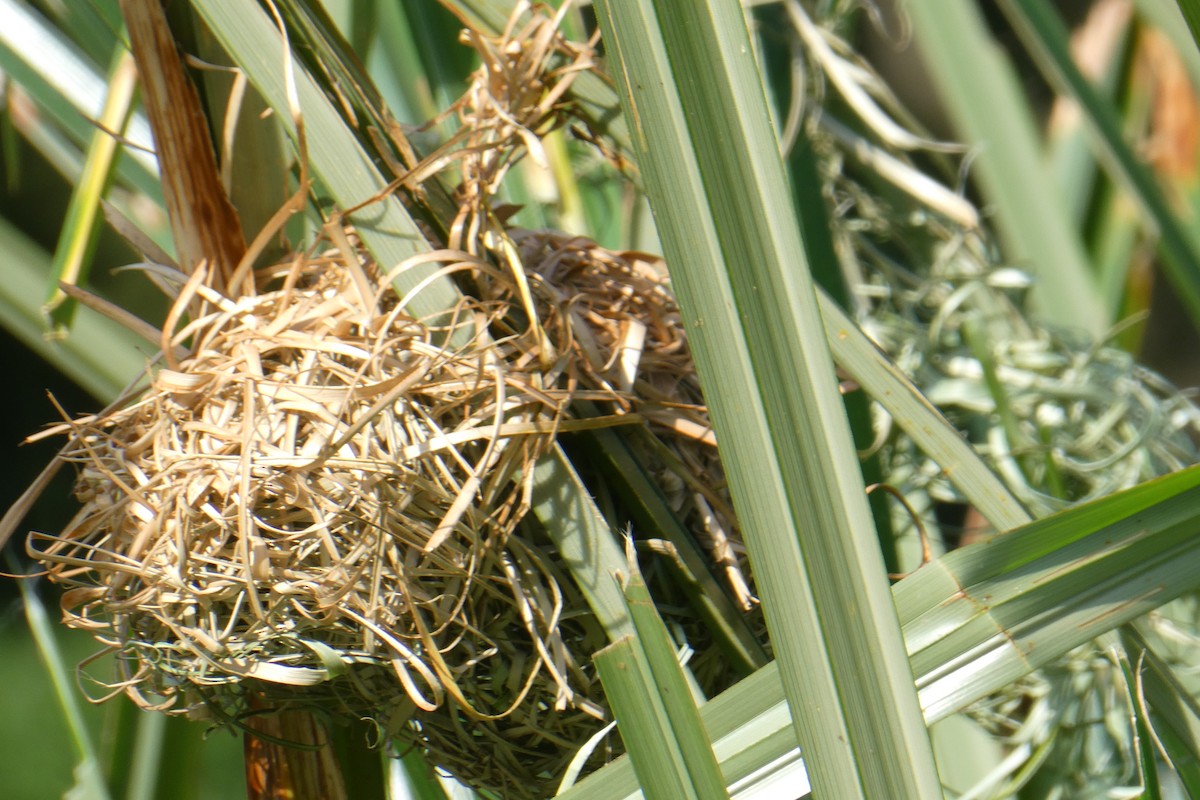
(1089, 286)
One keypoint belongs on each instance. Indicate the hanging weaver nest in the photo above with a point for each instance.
(628, 338)
(317, 503)
(609, 316)
(605, 323)
(613, 313)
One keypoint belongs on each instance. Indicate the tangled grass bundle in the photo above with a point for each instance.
(1062, 419)
(516, 96)
(317, 504)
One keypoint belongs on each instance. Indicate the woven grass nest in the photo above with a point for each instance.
(628, 340)
(316, 505)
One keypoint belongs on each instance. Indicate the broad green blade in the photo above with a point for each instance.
(984, 102)
(750, 728)
(1006, 607)
(1003, 555)
(92, 26)
(813, 215)
(338, 159)
(644, 724)
(418, 778)
(1191, 13)
(709, 158)
(1046, 38)
(102, 356)
(655, 711)
(67, 87)
(982, 616)
(89, 777)
(585, 542)
(671, 689)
